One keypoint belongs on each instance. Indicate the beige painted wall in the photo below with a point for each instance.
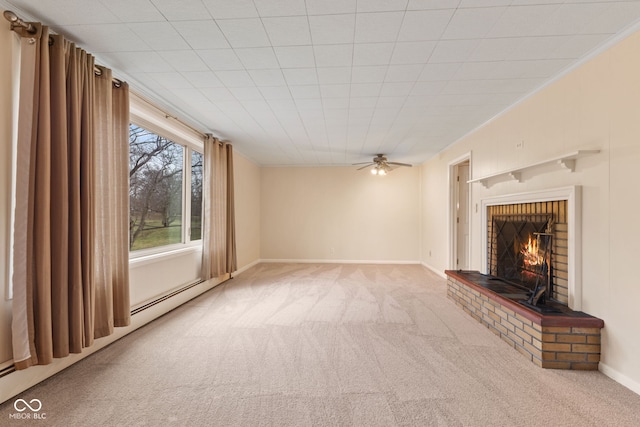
(595, 106)
(247, 205)
(339, 213)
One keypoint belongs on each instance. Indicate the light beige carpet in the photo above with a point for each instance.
(322, 345)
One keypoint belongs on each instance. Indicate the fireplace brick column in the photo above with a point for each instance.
(549, 341)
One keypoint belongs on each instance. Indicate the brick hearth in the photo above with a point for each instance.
(566, 340)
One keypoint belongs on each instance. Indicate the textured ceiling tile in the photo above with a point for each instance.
(334, 75)
(267, 77)
(225, 9)
(333, 55)
(295, 56)
(220, 59)
(332, 29)
(490, 3)
(435, 72)
(519, 21)
(201, 34)
(246, 93)
(67, 12)
(201, 79)
(335, 91)
(304, 91)
(288, 31)
(472, 23)
(171, 80)
(428, 88)
(280, 7)
(412, 52)
(136, 62)
(434, 4)
(184, 60)
(300, 76)
(453, 51)
(257, 58)
(159, 35)
(396, 88)
(338, 103)
(387, 103)
(536, 47)
(477, 70)
(365, 89)
(275, 93)
(575, 46)
(372, 53)
(106, 38)
(495, 49)
(370, 74)
(381, 5)
(244, 32)
(134, 10)
(234, 78)
(378, 27)
(330, 7)
(424, 25)
(183, 10)
(403, 73)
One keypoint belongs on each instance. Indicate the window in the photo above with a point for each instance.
(165, 191)
(195, 228)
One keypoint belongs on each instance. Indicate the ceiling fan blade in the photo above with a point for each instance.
(361, 163)
(399, 164)
(366, 166)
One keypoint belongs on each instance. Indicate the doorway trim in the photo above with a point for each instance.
(453, 200)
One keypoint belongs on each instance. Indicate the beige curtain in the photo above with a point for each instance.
(70, 278)
(219, 240)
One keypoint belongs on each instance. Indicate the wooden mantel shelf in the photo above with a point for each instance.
(567, 161)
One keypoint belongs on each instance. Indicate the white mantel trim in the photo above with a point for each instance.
(573, 196)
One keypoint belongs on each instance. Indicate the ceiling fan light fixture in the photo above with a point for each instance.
(379, 165)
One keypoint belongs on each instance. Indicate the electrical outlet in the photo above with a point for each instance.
(519, 145)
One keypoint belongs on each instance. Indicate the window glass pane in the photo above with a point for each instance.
(196, 196)
(155, 192)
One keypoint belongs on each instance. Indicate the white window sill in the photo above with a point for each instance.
(150, 258)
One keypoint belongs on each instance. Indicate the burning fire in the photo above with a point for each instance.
(530, 252)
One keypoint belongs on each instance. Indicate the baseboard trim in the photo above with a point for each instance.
(338, 261)
(632, 385)
(16, 382)
(246, 267)
(435, 270)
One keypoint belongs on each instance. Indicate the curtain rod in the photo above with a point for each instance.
(16, 21)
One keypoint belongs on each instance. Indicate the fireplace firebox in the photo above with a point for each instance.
(521, 253)
(527, 248)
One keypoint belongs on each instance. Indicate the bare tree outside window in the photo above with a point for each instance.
(155, 190)
(196, 196)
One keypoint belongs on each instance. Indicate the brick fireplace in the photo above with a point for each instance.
(532, 247)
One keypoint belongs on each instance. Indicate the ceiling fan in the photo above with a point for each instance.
(381, 166)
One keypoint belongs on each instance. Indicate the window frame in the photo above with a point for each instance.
(149, 117)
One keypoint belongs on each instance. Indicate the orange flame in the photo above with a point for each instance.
(530, 252)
